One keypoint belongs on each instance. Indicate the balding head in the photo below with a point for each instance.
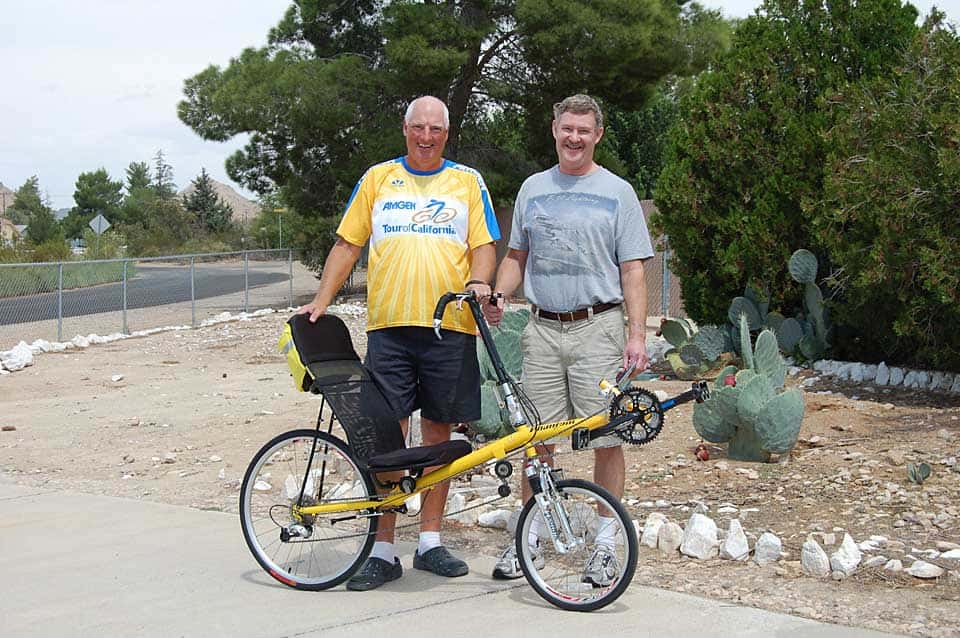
(427, 102)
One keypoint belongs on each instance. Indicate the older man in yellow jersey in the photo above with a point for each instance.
(431, 228)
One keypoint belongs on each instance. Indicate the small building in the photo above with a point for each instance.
(10, 233)
(6, 199)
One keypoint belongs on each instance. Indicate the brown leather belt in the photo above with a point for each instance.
(575, 315)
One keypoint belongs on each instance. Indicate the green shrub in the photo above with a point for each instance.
(52, 250)
(890, 217)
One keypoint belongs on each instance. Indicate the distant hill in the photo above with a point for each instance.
(244, 210)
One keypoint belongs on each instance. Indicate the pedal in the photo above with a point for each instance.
(580, 438)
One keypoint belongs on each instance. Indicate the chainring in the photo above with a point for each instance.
(644, 407)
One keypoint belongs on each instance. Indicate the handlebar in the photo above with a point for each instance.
(473, 303)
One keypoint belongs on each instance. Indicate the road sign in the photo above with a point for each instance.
(99, 224)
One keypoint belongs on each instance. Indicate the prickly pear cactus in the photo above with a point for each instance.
(754, 416)
(693, 352)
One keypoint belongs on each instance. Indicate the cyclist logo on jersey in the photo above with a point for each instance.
(436, 212)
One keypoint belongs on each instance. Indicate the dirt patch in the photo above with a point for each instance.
(193, 406)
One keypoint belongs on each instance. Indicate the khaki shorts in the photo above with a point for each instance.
(563, 363)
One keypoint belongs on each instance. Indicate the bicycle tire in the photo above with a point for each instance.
(559, 578)
(338, 543)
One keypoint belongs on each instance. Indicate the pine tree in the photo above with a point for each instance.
(163, 184)
(212, 214)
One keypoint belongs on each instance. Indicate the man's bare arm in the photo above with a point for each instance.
(336, 269)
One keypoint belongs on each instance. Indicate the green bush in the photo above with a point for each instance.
(52, 250)
(747, 153)
(890, 217)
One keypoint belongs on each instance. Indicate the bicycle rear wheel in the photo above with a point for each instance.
(310, 552)
(598, 564)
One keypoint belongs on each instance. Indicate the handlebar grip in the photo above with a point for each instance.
(442, 305)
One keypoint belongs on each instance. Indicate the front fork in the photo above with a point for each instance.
(540, 476)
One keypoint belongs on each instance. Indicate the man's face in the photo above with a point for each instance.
(426, 136)
(576, 135)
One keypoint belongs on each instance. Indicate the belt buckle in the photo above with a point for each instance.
(569, 314)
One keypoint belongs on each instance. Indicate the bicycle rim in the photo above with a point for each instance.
(562, 579)
(335, 545)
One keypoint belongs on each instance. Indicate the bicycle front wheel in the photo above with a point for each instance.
(599, 559)
(306, 552)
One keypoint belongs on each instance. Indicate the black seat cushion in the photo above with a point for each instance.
(418, 458)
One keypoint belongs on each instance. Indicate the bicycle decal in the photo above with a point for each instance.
(436, 212)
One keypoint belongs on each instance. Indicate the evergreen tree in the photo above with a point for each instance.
(95, 194)
(163, 186)
(139, 192)
(43, 228)
(212, 214)
(138, 177)
(749, 152)
(27, 202)
(324, 99)
(888, 218)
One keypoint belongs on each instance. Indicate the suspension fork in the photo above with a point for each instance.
(544, 490)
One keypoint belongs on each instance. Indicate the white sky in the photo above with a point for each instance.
(85, 85)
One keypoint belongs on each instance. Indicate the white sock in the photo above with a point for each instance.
(384, 551)
(607, 531)
(536, 527)
(428, 540)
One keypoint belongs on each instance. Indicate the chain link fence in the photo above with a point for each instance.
(57, 301)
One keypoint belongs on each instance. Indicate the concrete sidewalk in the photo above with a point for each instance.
(80, 565)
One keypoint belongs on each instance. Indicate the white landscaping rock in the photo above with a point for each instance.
(814, 560)
(896, 376)
(700, 538)
(846, 559)
(651, 529)
(17, 358)
(923, 569)
(893, 565)
(497, 519)
(767, 549)
(670, 538)
(883, 374)
(875, 561)
(953, 554)
(735, 546)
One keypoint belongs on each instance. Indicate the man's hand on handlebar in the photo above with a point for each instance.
(479, 288)
(493, 311)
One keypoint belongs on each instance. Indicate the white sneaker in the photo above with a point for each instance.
(602, 568)
(508, 567)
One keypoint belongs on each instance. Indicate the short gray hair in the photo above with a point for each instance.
(579, 104)
(446, 111)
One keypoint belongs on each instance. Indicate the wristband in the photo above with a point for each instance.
(476, 281)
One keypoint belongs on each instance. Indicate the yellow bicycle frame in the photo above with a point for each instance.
(524, 437)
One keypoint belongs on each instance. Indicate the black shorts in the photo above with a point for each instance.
(416, 370)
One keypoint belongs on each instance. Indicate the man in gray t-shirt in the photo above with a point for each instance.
(578, 243)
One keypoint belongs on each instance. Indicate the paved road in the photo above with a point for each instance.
(79, 565)
(152, 286)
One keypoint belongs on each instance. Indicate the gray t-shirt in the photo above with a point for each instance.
(577, 231)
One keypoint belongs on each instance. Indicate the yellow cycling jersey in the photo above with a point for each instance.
(421, 227)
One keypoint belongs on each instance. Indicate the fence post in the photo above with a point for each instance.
(246, 281)
(665, 286)
(60, 301)
(290, 276)
(193, 294)
(124, 287)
